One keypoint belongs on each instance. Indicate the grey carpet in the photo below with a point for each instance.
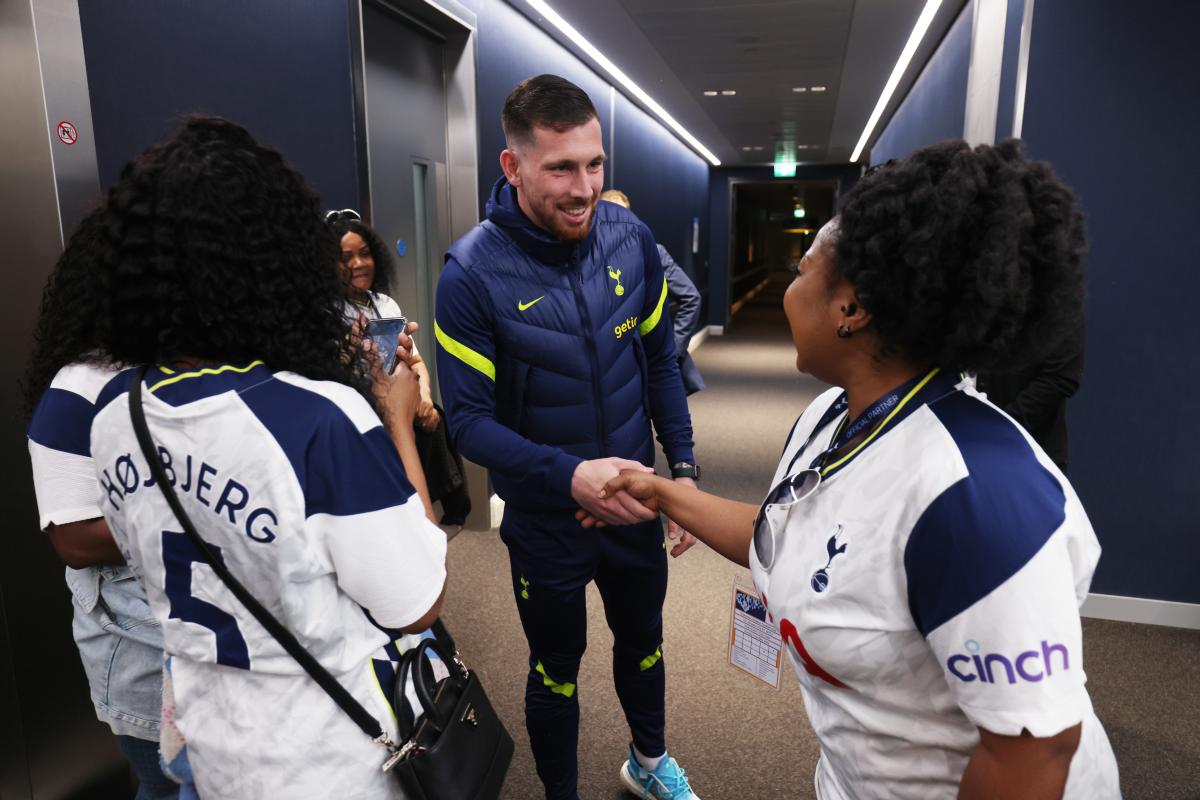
(736, 737)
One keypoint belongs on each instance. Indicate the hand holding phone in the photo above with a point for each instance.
(384, 333)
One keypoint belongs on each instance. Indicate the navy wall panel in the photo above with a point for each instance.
(667, 184)
(935, 107)
(280, 68)
(1111, 104)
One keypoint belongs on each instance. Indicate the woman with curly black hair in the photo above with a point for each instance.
(220, 280)
(120, 642)
(922, 558)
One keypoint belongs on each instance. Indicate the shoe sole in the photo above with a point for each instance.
(631, 784)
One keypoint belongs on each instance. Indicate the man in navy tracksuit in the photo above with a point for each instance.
(555, 354)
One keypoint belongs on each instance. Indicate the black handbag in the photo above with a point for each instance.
(454, 749)
(458, 749)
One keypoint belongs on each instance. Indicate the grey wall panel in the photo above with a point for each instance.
(45, 712)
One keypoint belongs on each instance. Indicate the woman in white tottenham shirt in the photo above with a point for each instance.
(923, 559)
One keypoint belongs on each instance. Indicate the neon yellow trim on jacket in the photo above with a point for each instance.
(565, 689)
(205, 371)
(464, 353)
(652, 320)
(650, 660)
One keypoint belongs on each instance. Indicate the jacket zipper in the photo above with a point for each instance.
(597, 397)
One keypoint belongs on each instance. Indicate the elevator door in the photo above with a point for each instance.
(405, 94)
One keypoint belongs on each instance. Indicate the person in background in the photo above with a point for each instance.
(119, 640)
(555, 355)
(1036, 395)
(270, 431)
(922, 558)
(685, 306)
(366, 269)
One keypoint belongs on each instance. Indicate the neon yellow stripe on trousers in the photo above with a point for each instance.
(464, 353)
(565, 689)
(652, 320)
(650, 660)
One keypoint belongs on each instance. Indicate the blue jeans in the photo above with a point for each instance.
(142, 755)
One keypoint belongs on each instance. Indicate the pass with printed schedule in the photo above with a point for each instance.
(755, 645)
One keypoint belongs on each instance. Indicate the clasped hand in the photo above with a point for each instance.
(617, 491)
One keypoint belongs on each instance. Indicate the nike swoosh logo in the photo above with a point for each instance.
(522, 306)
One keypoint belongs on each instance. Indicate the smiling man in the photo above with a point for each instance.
(555, 356)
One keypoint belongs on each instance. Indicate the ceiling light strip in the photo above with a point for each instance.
(906, 55)
(620, 77)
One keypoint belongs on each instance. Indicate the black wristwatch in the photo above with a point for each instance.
(685, 470)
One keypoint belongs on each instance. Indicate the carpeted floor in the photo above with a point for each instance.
(736, 737)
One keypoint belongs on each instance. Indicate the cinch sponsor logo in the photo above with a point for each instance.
(1031, 665)
(625, 327)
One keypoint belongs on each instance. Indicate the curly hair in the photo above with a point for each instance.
(966, 259)
(217, 250)
(382, 282)
(65, 332)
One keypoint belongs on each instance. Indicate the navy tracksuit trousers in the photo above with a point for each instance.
(553, 558)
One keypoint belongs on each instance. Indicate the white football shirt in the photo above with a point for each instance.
(299, 489)
(930, 585)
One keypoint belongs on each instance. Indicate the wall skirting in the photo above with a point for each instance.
(1140, 609)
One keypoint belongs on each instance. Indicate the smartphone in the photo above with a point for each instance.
(383, 333)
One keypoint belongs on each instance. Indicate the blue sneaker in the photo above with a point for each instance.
(667, 782)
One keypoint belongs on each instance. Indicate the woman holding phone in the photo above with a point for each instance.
(922, 557)
(366, 270)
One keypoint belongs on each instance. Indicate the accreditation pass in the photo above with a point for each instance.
(754, 643)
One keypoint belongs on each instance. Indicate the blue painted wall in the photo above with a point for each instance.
(280, 68)
(1111, 104)
(936, 105)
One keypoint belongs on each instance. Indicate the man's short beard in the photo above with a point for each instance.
(566, 233)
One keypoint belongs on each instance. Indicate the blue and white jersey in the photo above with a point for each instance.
(930, 585)
(119, 640)
(300, 491)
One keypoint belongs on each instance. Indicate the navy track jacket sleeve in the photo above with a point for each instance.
(668, 399)
(687, 299)
(466, 359)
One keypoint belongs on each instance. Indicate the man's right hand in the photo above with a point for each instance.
(618, 509)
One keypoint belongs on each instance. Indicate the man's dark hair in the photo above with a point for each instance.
(548, 101)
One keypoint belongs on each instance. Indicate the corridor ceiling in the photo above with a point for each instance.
(765, 51)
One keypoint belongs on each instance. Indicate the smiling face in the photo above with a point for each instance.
(558, 177)
(358, 265)
(816, 303)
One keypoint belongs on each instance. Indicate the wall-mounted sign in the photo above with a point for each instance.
(67, 133)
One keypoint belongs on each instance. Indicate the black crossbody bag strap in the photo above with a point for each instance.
(362, 718)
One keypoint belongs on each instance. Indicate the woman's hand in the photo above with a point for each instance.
(399, 394)
(405, 351)
(427, 413)
(641, 486)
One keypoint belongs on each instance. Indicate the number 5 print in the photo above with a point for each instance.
(179, 553)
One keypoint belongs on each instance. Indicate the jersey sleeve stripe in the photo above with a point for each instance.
(463, 353)
(63, 421)
(986, 527)
(652, 321)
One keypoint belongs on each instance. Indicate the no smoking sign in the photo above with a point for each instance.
(67, 133)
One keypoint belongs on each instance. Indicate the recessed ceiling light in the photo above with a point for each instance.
(801, 147)
(747, 148)
(910, 49)
(620, 77)
(710, 94)
(799, 88)
(728, 92)
(818, 88)
(758, 148)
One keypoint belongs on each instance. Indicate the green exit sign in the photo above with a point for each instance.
(785, 169)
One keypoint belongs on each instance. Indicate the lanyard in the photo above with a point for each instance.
(884, 408)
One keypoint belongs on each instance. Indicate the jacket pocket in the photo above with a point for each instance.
(643, 365)
(514, 389)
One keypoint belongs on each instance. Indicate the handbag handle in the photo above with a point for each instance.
(412, 664)
(345, 701)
